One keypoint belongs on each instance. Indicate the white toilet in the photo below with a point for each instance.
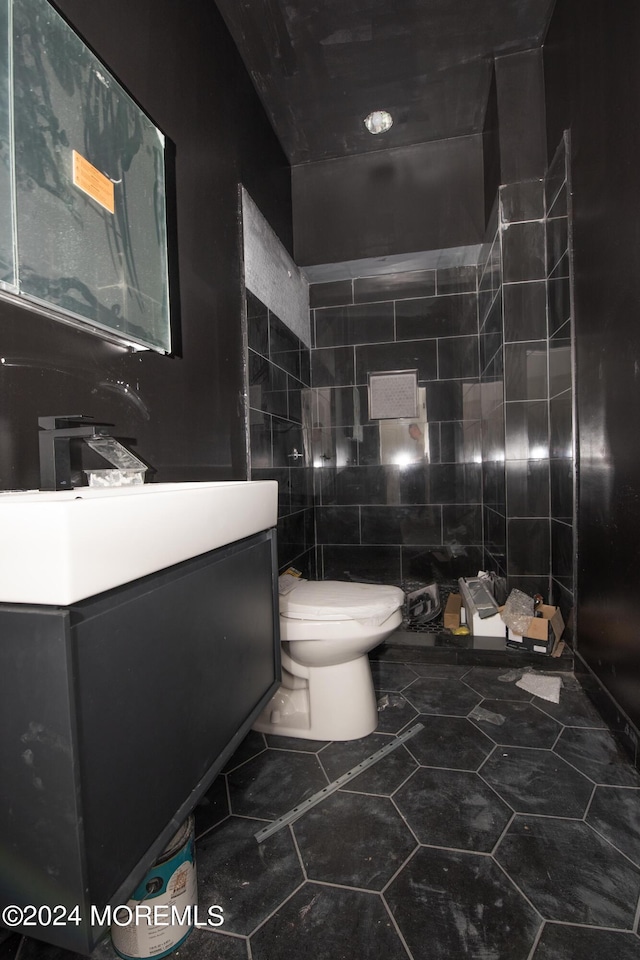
(327, 628)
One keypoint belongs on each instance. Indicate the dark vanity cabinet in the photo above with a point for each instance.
(117, 713)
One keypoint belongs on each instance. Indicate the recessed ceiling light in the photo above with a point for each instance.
(379, 121)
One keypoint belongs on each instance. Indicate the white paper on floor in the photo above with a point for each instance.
(545, 687)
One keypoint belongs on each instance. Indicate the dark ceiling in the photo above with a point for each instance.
(320, 66)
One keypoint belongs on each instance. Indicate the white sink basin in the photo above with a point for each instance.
(60, 547)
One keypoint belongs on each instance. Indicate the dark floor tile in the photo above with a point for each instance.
(325, 923)
(537, 781)
(273, 783)
(295, 743)
(207, 945)
(253, 744)
(394, 712)
(353, 840)
(596, 754)
(574, 710)
(443, 697)
(383, 778)
(523, 725)
(615, 813)
(246, 878)
(452, 808)
(570, 873)
(391, 676)
(37, 950)
(9, 943)
(451, 742)
(452, 905)
(562, 942)
(213, 807)
(486, 681)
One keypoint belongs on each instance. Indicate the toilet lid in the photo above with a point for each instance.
(338, 600)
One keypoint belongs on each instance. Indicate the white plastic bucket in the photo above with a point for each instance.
(149, 924)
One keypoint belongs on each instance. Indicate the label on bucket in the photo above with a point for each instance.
(160, 914)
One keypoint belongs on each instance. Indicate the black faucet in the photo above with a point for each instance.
(54, 440)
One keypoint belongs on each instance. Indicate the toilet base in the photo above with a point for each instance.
(334, 703)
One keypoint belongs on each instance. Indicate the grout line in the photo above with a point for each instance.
(396, 927)
(536, 941)
(279, 907)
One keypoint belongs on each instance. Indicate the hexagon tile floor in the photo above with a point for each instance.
(509, 833)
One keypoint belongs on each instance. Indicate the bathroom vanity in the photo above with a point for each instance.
(118, 710)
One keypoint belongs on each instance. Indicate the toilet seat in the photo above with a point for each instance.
(335, 600)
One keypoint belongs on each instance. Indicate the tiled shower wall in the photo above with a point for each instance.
(397, 500)
(278, 374)
(482, 477)
(527, 388)
(561, 383)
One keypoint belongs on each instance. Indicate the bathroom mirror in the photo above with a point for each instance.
(7, 260)
(84, 176)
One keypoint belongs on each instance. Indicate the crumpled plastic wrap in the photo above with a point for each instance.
(517, 611)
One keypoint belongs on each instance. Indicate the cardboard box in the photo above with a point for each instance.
(452, 611)
(543, 633)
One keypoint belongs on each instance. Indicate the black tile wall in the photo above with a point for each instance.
(560, 363)
(360, 323)
(559, 298)
(380, 489)
(525, 367)
(525, 311)
(458, 358)
(557, 242)
(562, 490)
(527, 430)
(522, 201)
(527, 307)
(528, 488)
(401, 525)
(488, 479)
(442, 563)
(562, 553)
(453, 400)
(447, 316)
(330, 294)
(561, 385)
(332, 366)
(278, 376)
(561, 423)
(528, 547)
(420, 355)
(459, 442)
(345, 562)
(416, 283)
(456, 280)
(523, 251)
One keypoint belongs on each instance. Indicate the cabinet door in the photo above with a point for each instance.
(168, 671)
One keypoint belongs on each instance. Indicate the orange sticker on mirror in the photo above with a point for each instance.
(88, 179)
